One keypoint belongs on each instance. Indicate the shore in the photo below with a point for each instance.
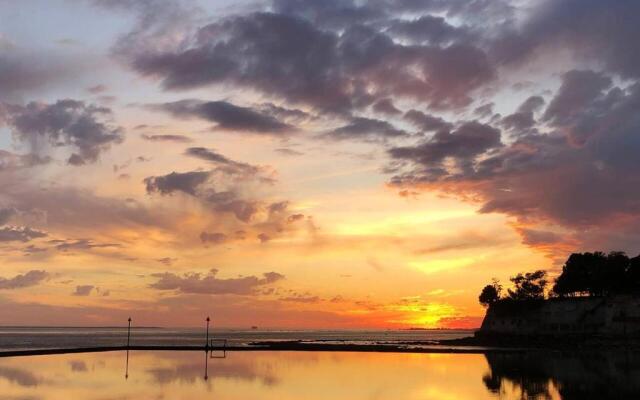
(278, 346)
(468, 345)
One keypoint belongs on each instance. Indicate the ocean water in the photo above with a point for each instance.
(270, 375)
(17, 338)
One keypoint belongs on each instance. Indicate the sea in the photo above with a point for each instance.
(611, 373)
(320, 375)
(33, 338)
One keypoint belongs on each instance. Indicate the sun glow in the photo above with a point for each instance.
(425, 315)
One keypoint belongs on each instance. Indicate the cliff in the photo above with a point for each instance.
(617, 316)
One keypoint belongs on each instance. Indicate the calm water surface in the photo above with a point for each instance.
(27, 338)
(318, 375)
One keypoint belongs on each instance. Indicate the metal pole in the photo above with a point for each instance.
(129, 333)
(206, 346)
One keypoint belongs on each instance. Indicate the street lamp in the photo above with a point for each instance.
(129, 333)
(206, 346)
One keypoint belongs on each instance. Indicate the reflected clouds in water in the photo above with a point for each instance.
(268, 375)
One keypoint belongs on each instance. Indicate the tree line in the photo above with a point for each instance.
(583, 274)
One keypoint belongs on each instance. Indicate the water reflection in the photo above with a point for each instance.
(78, 366)
(126, 368)
(187, 368)
(321, 375)
(18, 376)
(567, 376)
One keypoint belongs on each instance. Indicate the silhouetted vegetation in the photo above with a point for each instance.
(490, 293)
(583, 274)
(598, 274)
(530, 286)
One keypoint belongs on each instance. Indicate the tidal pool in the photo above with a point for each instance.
(317, 375)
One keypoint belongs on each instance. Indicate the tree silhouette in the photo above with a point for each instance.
(577, 274)
(529, 286)
(614, 274)
(598, 274)
(490, 293)
(593, 274)
(633, 274)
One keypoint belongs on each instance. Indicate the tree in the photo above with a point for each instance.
(574, 279)
(614, 274)
(530, 286)
(490, 293)
(595, 274)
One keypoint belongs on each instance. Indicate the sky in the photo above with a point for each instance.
(303, 164)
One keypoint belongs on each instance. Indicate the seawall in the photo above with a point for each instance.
(617, 316)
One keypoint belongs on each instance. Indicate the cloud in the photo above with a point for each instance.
(302, 299)
(580, 94)
(342, 13)
(289, 152)
(223, 163)
(159, 23)
(213, 237)
(300, 59)
(82, 244)
(19, 234)
(13, 162)
(429, 29)
(221, 188)
(386, 106)
(524, 118)
(30, 278)
(211, 284)
(590, 29)
(70, 123)
(6, 214)
(199, 184)
(166, 260)
(425, 122)
(578, 179)
(365, 129)
(167, 138)
(186, 182)
(226, 116)
(65, 208)
(294, 218)
(83, 290)
(463, 145)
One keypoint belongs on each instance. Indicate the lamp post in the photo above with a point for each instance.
(206, 346)
(129, 333)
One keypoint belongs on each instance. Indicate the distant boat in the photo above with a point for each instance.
(254, 327)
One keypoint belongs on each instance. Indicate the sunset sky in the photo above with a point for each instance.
(306, 163)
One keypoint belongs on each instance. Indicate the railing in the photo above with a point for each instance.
(220, 345)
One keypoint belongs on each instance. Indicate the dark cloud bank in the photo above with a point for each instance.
(563, 165)
(226, 116)
(84, 128)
